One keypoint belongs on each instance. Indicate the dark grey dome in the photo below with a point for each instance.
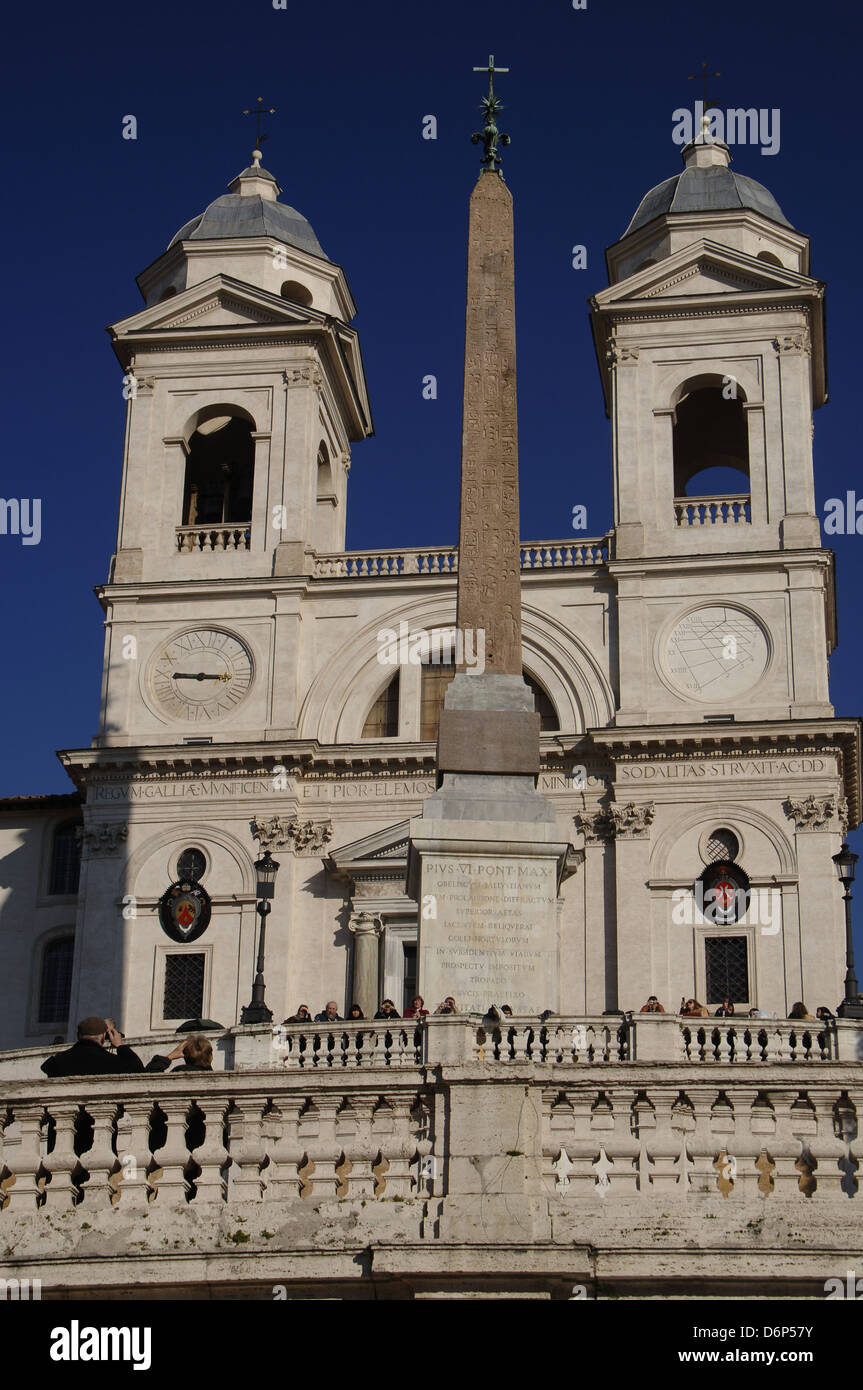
(251, 214)
(712, 189)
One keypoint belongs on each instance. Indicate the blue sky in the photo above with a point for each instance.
(589, 104)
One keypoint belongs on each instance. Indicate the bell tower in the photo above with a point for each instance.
(710, 341)
(245, 389)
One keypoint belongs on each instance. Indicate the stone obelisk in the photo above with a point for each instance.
(486, 855)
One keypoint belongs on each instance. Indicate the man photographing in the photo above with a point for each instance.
(89, 1055)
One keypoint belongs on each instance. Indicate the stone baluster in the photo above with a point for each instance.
(828, 1147)
(100, 1160)
(61, 1191)
(703, 1143)
(755, 1128)
(317, 1131)
(246, 1148)
(393, 1136)
(625, 1149)
(683, 1124)
(284, 1147)
(211, 1156)
(172, 1185)
(662, 1146)
(354, 1136)
(133, 1143)
(23, 1150)
(786, 1146)
(592, 1126)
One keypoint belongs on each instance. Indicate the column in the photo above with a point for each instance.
(366, 930)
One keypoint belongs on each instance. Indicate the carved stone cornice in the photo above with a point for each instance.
(622, 354)
(307, 375)
(632, 821)
(627, 821)
(817, 812)
(301, 837)
(796, 344)
(595, 826)
(101, 840)
(365, 922)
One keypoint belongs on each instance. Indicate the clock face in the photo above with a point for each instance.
(716, 653)
(201, 675)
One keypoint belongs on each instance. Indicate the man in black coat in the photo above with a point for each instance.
(89, 1057)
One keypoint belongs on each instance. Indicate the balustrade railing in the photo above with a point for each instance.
(560, 1040)
(713, 511)
(757, 1041)
(208, 538)
(95, 1142)
(359, 564)
(302, 1046)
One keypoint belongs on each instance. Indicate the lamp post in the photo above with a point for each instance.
(266, 869)
(846, 863)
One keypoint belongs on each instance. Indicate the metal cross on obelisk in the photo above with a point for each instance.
(490, 135)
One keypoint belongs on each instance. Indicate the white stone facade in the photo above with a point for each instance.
(645, 763)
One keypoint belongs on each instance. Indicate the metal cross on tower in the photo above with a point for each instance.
(703, 76)
(259, 112)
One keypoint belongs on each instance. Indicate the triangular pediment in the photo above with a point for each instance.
(386, 847)
(702, 268)
(218, 302)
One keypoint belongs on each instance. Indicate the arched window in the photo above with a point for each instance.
(769, 257)
(55, 980)
(219, 472)
(65, 860)
(711, 444)
(548, 720)
(297, 293)
(383, 717)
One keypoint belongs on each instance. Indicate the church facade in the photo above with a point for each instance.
(264, 688)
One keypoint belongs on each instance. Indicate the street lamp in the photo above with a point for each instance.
(266, 869)
(846, 863)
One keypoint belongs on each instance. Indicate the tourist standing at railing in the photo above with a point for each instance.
(89, 1055)
(690, 1008)
(725, 1010)
(303, 1015)
(799, 1011)
(652, 1006)
(417, 1008)
(330, 1014)
(387, 1010)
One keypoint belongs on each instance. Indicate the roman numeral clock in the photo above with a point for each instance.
(200, 675)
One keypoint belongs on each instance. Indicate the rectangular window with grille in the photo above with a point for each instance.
(184, 986)
(727, 963)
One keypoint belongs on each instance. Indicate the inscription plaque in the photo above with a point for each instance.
(493, 938)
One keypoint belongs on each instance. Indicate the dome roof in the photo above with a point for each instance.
(706, 185)
(251, 209)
